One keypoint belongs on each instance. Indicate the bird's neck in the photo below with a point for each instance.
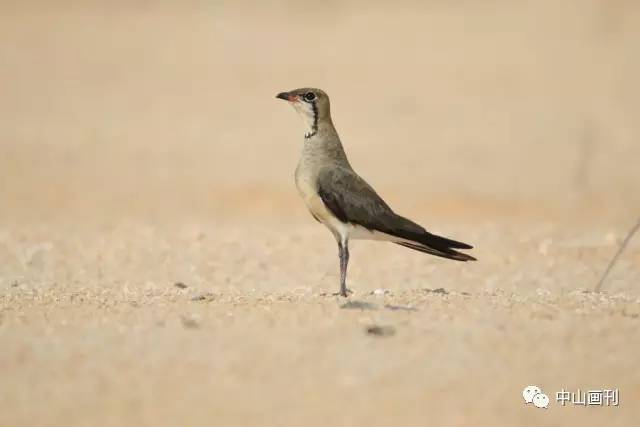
(325, 143)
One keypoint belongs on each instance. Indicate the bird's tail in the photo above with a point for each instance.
(436, 245)
(449, 253)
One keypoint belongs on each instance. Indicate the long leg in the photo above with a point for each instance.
(343, 250)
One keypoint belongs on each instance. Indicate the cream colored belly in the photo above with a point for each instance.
(318, 209)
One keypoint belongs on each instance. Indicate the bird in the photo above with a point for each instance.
(344, 202)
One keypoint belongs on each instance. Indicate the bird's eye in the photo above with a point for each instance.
(309, 96)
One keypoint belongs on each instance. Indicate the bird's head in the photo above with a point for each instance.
(312, 105)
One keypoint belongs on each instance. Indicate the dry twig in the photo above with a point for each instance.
(615, 258)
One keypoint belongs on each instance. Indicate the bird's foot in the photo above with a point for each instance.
(343, 293)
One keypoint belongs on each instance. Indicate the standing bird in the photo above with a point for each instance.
(338, 198)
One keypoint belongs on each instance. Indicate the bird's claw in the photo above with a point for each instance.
(343, 293)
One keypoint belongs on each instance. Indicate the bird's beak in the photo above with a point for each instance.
(287, 96)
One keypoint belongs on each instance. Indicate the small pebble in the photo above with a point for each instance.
(442, 291)
(204, 297)
(189, 322)
(381, 331)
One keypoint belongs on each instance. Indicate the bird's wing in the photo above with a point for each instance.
(352, 200)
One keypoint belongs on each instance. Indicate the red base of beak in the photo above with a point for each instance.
(287, 96)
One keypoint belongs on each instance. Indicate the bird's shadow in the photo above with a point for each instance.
(399, 307)
(358, 305)
(364, 305)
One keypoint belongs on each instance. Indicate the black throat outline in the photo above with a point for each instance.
(314, 125)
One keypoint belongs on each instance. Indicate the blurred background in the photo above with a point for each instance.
(167, 108)
(157, 266)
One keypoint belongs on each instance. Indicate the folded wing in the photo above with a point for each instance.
(353, 201)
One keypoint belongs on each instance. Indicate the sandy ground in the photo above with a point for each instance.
(95, 330)
(157, 267)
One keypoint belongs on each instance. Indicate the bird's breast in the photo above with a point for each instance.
(306, 182)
